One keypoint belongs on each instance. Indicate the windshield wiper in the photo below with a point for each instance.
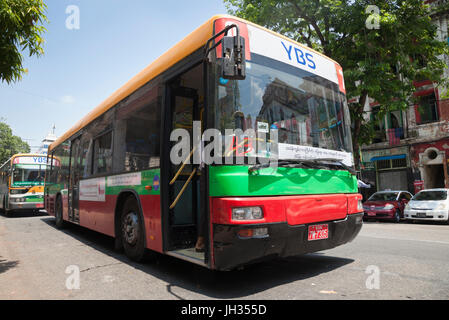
(296, 163)
(308, 163)
(335, 161)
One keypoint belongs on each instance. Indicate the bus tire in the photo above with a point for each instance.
(6, 211)
(132, 230)
(59, 219)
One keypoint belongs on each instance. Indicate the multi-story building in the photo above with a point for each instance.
(411, 147)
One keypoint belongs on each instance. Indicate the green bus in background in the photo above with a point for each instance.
(22, 183)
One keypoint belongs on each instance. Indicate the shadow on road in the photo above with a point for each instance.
(5, 265)
(221, 285)
(24, 214)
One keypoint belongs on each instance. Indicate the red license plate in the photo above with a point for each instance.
(318, 232)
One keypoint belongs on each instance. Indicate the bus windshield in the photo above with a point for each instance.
(306, 109)
(25, 175)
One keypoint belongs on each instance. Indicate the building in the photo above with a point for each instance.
(411, 148)
(49, 139)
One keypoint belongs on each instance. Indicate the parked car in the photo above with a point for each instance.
(430, 204)
(388, 205)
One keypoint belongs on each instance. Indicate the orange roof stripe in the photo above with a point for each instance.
(185, 47)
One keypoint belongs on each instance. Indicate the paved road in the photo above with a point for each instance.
(412, 261)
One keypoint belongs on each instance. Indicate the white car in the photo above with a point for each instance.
(430, 204)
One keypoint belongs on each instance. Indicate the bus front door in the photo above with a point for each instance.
(182, 205)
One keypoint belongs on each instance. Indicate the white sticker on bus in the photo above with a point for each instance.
(129, 179)
(292, 151)
(93, 190)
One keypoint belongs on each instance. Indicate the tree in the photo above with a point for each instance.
(9, 143)
(21, 29)
(383, 49)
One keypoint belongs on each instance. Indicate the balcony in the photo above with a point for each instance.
(395, 135)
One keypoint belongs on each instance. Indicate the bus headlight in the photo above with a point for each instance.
(247, 213)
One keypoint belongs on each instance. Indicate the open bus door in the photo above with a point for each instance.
(182, 196)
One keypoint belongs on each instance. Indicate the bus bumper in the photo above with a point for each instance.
(26, 206)
(281, 240)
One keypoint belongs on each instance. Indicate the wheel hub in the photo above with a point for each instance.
(130, 228)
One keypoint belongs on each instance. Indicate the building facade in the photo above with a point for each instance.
(410, 150)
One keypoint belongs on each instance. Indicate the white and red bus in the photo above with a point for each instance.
(116, 173)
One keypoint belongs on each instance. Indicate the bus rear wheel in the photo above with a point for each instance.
(59, 220)
(132, 231)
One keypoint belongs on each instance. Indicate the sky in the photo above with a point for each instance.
(81, 67)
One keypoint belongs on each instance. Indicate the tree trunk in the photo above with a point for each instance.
(358, 120)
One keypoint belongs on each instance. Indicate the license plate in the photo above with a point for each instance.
(318, 232)
(371, 214)
(421, 214)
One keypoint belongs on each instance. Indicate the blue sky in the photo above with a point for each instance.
(81, 68)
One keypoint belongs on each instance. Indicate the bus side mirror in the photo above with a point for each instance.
(233, 65)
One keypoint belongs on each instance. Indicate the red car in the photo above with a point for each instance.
(387, 205)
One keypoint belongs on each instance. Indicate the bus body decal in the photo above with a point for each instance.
(93, 190)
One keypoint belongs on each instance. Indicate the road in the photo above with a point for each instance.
(386, 261)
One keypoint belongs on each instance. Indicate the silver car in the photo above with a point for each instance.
(430, 204)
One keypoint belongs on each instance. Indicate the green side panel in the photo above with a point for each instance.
(235, 181)
(34, 199)
(148, 178)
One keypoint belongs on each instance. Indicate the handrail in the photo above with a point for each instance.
(182, 167)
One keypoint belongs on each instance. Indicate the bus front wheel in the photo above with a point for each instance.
(132, 231)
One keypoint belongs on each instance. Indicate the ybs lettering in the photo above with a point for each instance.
(39, 160)
(298, 55)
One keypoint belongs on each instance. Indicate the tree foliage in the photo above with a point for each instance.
(21, 25)
(9, 143)
(380, 61)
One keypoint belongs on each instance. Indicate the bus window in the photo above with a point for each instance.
(103, 154)
(137, 131)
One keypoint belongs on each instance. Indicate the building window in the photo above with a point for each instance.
(427, 109)
(379, 126)
(397, 162)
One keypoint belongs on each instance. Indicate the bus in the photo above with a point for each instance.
(123, 171)
(22, 183)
